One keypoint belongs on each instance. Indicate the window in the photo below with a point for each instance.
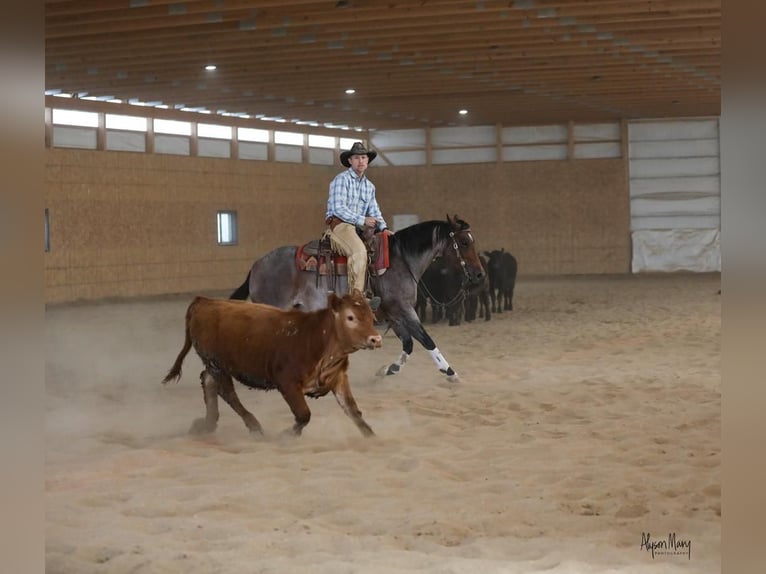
(288, 138)
(172, 127)
(327, 142)
(128, 123)
(47, 231)
(214, 131)
(253, 135)
(227, 228)
(75, 118)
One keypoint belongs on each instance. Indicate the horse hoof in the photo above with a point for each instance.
(386, 370)
(200, 427)
(453, 378)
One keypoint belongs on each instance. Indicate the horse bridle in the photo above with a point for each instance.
(461, 293)
(455, 246)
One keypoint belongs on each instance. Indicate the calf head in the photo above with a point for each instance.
(354, 322)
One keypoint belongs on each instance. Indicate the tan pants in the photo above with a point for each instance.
(345, 240)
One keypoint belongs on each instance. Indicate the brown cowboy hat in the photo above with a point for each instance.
(357, 149)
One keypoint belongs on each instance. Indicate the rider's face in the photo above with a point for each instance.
(358, 163)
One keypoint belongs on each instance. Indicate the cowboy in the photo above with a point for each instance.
(351, 207)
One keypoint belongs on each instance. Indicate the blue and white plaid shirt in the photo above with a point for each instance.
(352, 198)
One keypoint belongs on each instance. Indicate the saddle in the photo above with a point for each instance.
(319, 257)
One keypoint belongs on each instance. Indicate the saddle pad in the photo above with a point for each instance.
(308, 256)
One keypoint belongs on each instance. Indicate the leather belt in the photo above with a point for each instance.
(333, 221)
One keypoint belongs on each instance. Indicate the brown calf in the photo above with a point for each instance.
(300, 354)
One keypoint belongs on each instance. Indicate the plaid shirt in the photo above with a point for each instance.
(352, 198)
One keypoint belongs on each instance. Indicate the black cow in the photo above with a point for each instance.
(501, 269)
(442, 285)
(477, 297)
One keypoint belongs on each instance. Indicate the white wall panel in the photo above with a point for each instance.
(674, 148)
(213, 148)
(675, 195)
(251, 150)
(464, 136)
(321, 156)
(125, 141)
(405, 158)
(664, 130)
(471, 155)
(177, 145)
(688, 186)
(398, 139)
(674, 166)
(640, 207)
(537, 152)
(692, 250)
(535, 134)
(69, 136)
(675, 222)
(288, 153)
(596, 132)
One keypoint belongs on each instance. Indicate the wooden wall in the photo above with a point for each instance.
(127, 224)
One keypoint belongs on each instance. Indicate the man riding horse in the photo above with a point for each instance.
(352, 207)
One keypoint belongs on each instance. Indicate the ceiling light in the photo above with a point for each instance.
(210, 67)
(350, 91)
(463, 112)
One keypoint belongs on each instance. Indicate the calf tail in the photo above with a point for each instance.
(175, 370)
(243, 291)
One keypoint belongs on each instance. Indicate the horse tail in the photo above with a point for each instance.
(175, 370)
(243, 291)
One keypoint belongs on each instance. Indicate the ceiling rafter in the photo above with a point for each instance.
(412, 64)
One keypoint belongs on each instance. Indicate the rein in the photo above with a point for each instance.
(460, 294)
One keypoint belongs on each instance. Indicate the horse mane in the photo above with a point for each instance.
(422, 236)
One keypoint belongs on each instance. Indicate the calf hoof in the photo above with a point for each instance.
(200, 427)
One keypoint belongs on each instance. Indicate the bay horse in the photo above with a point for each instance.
(275, 279)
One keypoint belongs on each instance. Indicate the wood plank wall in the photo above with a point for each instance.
(132, 224)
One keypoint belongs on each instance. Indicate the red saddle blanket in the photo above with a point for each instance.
(308, 257)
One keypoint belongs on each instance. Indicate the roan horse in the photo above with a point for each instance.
(274, 279)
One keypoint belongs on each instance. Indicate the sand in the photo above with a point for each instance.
(587, 422)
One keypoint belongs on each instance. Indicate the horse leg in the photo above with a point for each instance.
(408, 328)
(209, 423)
(342, 392)
(229, 394)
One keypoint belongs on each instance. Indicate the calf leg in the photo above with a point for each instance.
(342, 391)
(293, 395)
(209, 423)
(229, 394)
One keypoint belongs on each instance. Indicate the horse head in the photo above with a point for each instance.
(464, 248)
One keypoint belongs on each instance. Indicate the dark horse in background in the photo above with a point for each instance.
(275, 279)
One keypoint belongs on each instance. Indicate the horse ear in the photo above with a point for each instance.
(452, 222)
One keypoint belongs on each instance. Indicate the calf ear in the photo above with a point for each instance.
(333, 301)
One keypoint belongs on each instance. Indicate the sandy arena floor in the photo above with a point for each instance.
(587, 420)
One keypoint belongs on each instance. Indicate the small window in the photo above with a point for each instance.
(172, 127)
(289, 138)
(47, 231)
(253, 135)
(75, 118)
(128, 123)
(214, 131)
(227, 228)
(327, 142)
